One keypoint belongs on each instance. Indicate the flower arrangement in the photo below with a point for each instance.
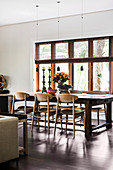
(61, 78)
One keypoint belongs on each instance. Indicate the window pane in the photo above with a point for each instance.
(81, 76)
(62, 50)
(64, 67)
(101, 48)
(45, 51)
(46, 75)
(101, 76)
(81, 49)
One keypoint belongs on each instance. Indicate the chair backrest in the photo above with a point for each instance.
(43, 97)
(75, 91)
(96, 92)
(66, 98)
(21, 95)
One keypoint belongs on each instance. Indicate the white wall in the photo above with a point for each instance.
(17, 50)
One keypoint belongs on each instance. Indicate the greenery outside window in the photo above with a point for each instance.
(61, 50)
(45, 51)
(101, 48)
(81, 76)
(81, 49)
(101, 76)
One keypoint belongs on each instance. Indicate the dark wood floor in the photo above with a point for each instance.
(65, 153)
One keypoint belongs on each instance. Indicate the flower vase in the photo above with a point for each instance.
(65, 91)
(62, 88)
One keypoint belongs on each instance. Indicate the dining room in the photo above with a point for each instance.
(57, 58)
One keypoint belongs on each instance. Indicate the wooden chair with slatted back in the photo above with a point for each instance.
(75, 113)
(77, 92)
(21, 99)
(43, 112)
(69, 106)
(98, 109)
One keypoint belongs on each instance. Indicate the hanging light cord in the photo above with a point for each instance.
(37, 6)
(58, 2)
(82, 17)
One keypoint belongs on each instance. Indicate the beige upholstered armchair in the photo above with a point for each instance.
(8, 138)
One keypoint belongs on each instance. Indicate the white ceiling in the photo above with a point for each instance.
(17, 11)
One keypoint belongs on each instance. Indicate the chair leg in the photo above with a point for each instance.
(73, 127)
(81, 120)
(55, 125)
(38, 121)
(84, 121)
(98, 116)
(61, 121)
(66, 123)
(45, 121)
(48, 125)
(32, 121)
(105, 111)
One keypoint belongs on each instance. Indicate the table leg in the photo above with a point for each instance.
(10, 99)
(108, 116)
(25, 137)
(88, 128)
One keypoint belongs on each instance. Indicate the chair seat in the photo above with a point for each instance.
(66, 107)
(69, 112)
(45, 104)
(97, 108)
(44, 110)
(93, 108)
(28, 109)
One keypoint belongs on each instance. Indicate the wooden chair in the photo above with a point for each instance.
(98, 109)
(77, 92)
(43, 112)
(21, 99)
(75, 113)
(68, 105)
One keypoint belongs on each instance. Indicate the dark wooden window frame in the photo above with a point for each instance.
(71, 60)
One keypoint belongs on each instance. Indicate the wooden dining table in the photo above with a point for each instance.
(93, 100)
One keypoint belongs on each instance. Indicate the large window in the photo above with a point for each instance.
(89, 62)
